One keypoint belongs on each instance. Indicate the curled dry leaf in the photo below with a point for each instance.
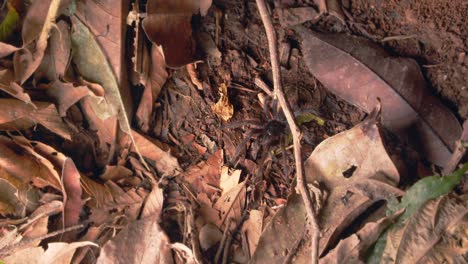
(8, 85)
(142, 241)
(361, 74)
(223, 108)
(163, 161)
(7, 49)
(431, 235)
(356, 171)
(155, 76)
(56, 253)
(354, 248)
(65, 95)
(232, 204)
(168, 24)
(204, 177)
(17, 115)
(36, 27)
(20, 159)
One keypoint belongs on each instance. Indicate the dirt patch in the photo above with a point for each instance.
(432, 32)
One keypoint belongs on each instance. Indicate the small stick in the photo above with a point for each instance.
(295, 131)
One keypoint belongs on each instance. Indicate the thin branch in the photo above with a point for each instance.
(295, 131)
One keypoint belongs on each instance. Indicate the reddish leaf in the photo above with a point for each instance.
(72, 194)
(360, 73)
(18, 115)
(65, 95)
(168, 24)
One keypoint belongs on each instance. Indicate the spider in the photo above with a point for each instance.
(269, 130)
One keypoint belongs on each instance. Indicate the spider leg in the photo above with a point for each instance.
(249, 122)
(241, 146)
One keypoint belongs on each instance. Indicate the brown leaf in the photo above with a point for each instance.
(253, 228)
(361, 73)
(140, 242)
(232, 204)
(168, 24)
(56, 253)
(16, 115)
(431, 235)
(6, 49)
(154, 80)
(36, 27)
(19, 160)
(353, 248)
(8, 85)
(282, 232)
(72, 193)
(10, 205)
(163, 161)
(223, 108)
(356, 171)
(205, 176)
(65, 95)
(57, 55)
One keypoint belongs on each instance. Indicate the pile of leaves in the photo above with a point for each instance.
(142, 132)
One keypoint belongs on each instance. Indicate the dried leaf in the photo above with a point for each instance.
(56, 253)
(223, 108)
(154, 79)
(229, 180)
(163, 161)
(8, 85)
(205, 176)
(209, 236)
(65, 95)
(285, 228)
(353, 248)
(360, 73)
(10, 205)
(57, 55)
(289, 17)
(232, 204)
(72, 193)
(431, 235)
(36, 27)
(17, 115)
(168, 24)
(356, 171)
(415, 198)
(140, 242)
(153, 204)
(253, 228)
(6, 49)
(19, 160)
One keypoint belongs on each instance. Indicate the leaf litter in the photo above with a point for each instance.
(113, 151)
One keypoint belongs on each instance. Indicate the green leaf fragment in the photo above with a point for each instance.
(9, 24)
(308, 117)
(426, 189)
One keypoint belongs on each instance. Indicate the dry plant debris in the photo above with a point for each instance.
(200, 131)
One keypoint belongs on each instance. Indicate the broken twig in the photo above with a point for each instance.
(295, 131)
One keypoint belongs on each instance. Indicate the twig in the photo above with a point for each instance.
(295, 131)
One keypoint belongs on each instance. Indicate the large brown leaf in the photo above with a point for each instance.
(168, 24)
(360, 73)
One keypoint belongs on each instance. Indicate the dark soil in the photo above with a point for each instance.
(438, 38)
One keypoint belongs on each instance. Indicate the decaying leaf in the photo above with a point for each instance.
(223, 108)
(252, 229)
(168, 24)
(36, 27)
(65, 95)
(205, 176)
(416, 201)
(353, 248)
(17, 115)
(285, 228)
(10, 87)
(163, 161)
(142, 241)
(155, 76)
(432, 235)
(355, 169)
(362, 74)
(56, 253)
(232, 204)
